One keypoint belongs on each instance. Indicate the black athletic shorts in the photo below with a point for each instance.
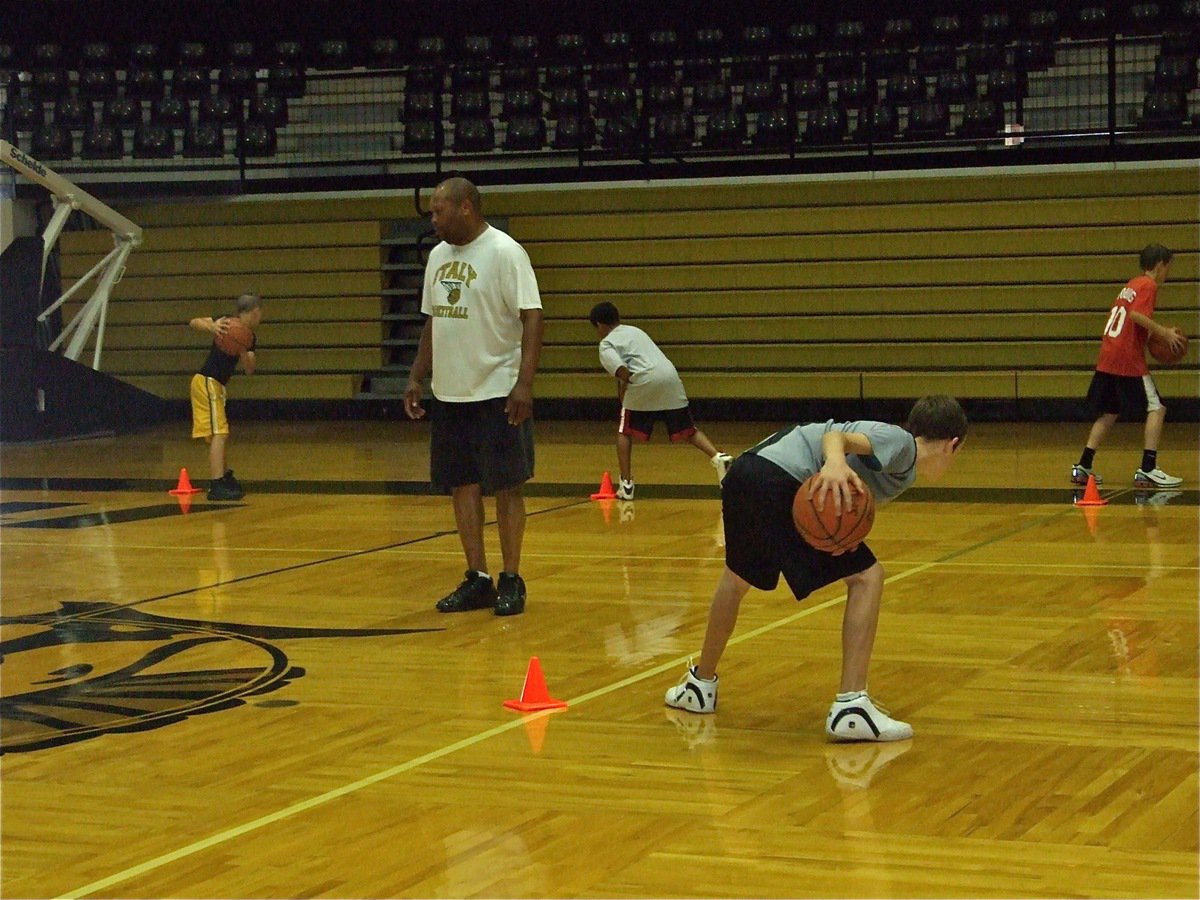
(761, 540)
(639, 423)
(472, 443)
(1129, 396)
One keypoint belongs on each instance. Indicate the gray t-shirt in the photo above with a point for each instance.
(654, 383)
(888, 471)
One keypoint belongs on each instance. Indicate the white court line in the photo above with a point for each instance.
(302, 806)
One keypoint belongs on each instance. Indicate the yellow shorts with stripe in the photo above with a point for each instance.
(208, 407)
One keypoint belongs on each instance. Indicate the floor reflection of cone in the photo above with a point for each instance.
(185, 503)
(535, 728)
(1091, 515)
(606, 507)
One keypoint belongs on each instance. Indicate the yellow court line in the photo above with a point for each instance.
(302, 806)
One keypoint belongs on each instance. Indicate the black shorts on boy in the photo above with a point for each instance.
(639, 423)
(1128, 396)
(473, 443)
(761, 540)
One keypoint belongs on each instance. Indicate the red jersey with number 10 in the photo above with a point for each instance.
(1123, 347)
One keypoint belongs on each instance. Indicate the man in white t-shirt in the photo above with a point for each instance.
(482, 340)
(649, 388)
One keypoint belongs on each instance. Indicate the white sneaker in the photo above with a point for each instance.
(625, 490)
(1155, 478)
(859, 719)
(1079, 475)
(721, 462)
(694, 694)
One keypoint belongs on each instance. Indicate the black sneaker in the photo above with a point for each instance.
(476, 592)
(226, 488)
(511, 601)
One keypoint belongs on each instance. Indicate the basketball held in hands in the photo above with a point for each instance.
(1161, 350)
(236, 339)
(827, 529)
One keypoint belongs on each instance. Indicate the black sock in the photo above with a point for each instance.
(1086, 458)
(1149, 460)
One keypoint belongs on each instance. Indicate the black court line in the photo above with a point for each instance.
(1023, 495)
(116, 516)
(12, 507)
(298, 566)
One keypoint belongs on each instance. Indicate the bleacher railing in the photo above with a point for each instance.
(1078, 100)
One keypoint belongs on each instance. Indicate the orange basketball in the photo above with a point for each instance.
(237, 339)
(1161, 350)
(827, 530)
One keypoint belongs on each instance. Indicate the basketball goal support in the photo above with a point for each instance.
(49, 394)
(67, 198)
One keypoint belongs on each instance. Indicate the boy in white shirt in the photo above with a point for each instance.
(648, 388)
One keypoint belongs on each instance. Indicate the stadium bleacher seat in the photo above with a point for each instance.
(383, 52)
(333, 53)
(760, 95)
(955, 87)
(103, 142)
(170, 111)
(422, 136)
(711, 97)
(269, 110)
(52, 142)
(204, 139)
(122, 112)
(525, 132)
(218, 109)
(574, 132)
(928, 120)
(876, 124)
(153, 141)
(826, 125)
(474, 135)
(773, 130)
(808, 93)
(72, 112)
(258, 140)
(725, 130)
(191, 81)
(673, 132)
(981, 119)
(663, 98)
(26, 113)
(143, 82)
(620, 134)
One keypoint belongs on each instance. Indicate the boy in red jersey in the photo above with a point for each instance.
(1121, 385)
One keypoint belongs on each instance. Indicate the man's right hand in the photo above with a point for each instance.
(412, 400)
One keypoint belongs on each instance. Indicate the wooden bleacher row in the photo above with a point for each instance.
(984, 286)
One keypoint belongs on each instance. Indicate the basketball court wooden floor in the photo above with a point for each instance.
(258, 699)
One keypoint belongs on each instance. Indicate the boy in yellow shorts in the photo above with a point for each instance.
(208, 393)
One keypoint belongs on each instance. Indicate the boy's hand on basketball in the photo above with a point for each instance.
(838, 480)
(519, 405)
(220, 326)
(1176, 339)
(412, 401)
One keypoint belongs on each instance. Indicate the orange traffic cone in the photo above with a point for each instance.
(185, 485)
(1091, 494)
(534, 696)
(606, 491)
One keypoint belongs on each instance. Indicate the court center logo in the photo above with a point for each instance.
(94, 668)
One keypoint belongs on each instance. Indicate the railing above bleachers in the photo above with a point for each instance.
(632, 115)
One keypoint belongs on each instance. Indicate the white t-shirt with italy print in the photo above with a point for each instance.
(475, 294)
